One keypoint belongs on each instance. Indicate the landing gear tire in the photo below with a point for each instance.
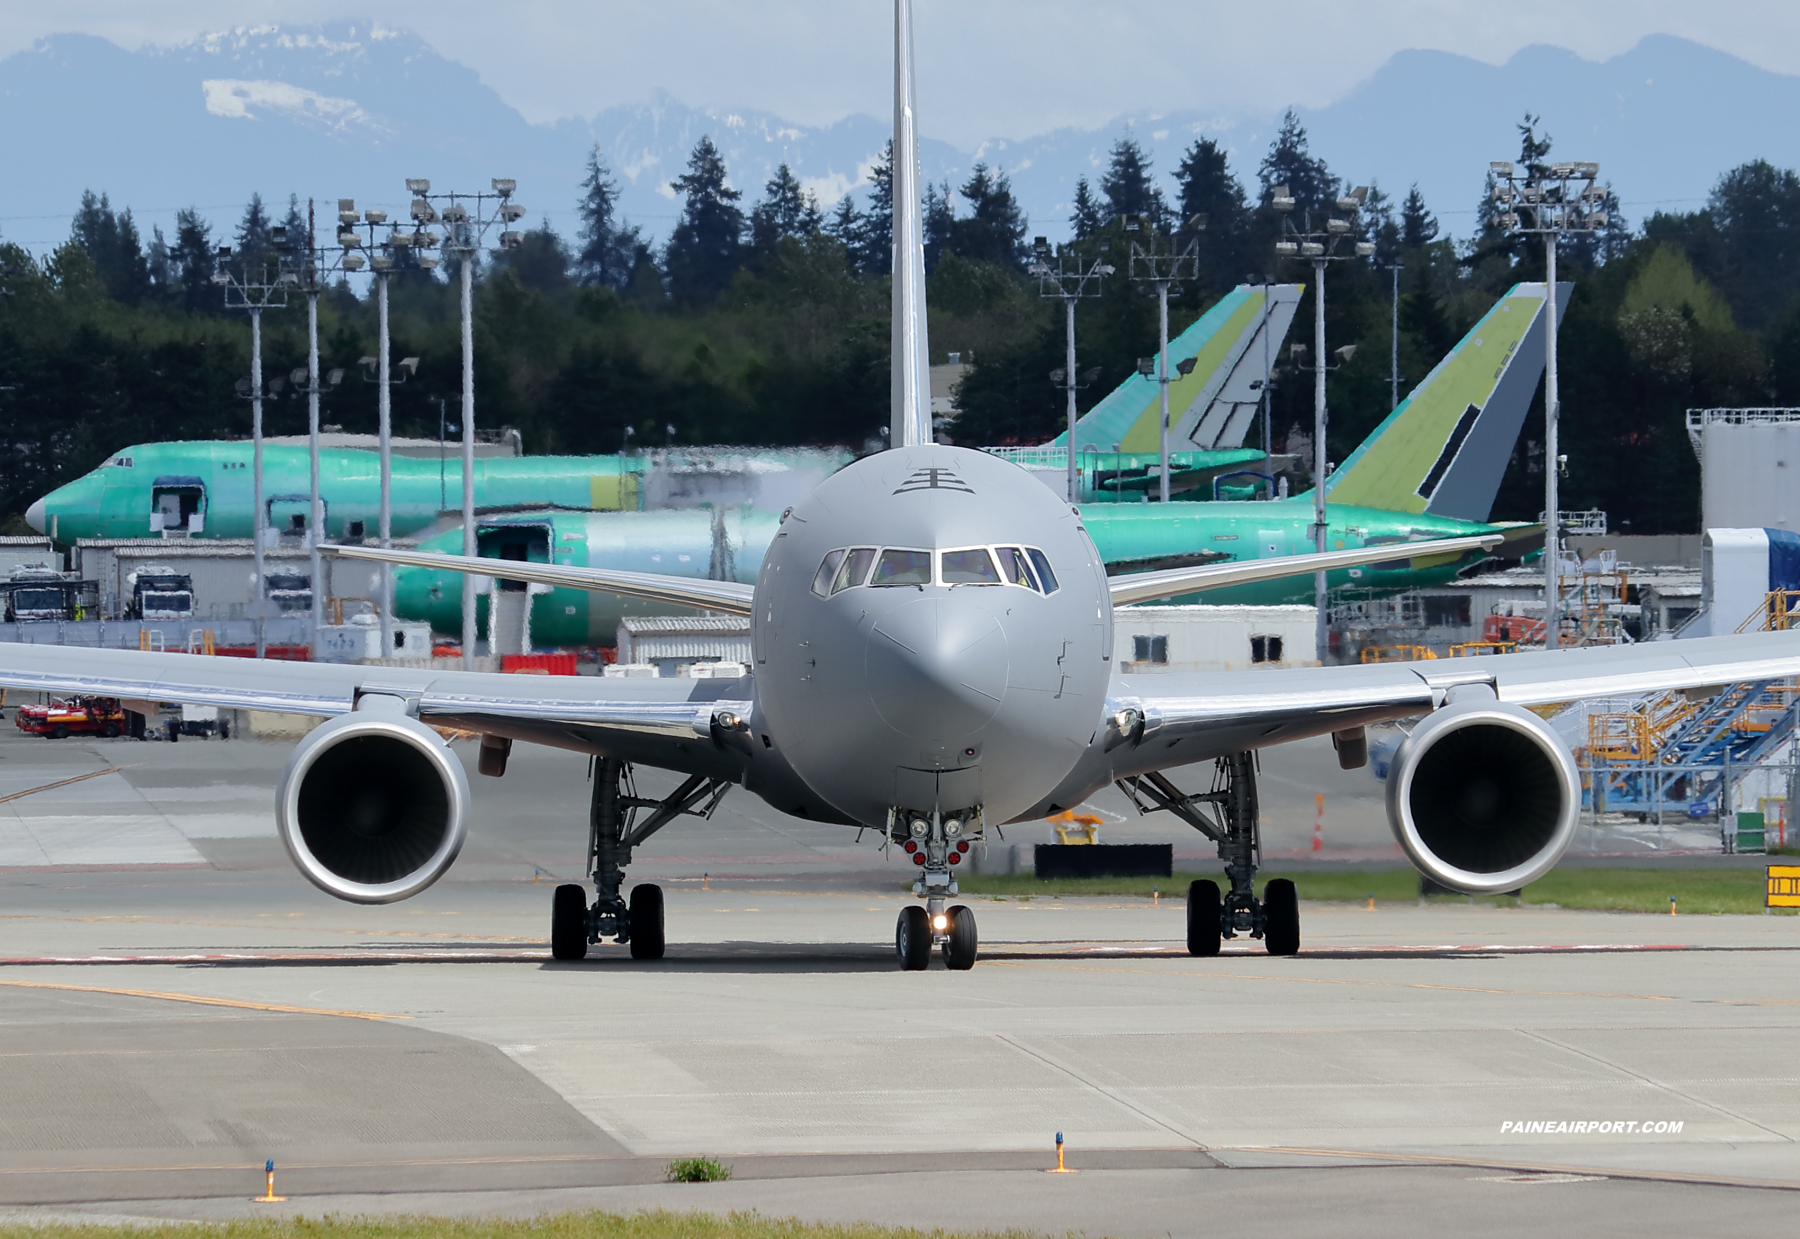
(959, 951)
(912, 939)
(646, 922)
(568, 923)
(1281, 910)
(1203, 909)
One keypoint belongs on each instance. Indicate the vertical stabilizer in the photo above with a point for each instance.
(1213, 406)
(1445, 448)
(910, 418)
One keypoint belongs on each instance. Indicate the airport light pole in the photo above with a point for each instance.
(381, 263)
(256, 291)
(1551, 201)
(1162, 270)
(466, 219)
(1069, 281)
(1332, 242)
(318, 263)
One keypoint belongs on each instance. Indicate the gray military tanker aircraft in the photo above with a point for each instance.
(932, 640)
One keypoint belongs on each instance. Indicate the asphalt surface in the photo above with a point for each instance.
(177, 1005)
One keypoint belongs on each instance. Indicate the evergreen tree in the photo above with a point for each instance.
(785, 211)
(1418, 227)
(194, 263)
(540, 260)
(1289, 163)
(608, 244)
(161, 265)
(1087, 218)
(995, 230)
(940, 222)
(706, 248)
(295, 223)
(1376, 223)
(253, 242)
(846, 226)
(113, 247)
(1128, 186)
(878, 228)
(1208, 187)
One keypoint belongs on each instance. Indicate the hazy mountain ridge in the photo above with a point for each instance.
(352, 109)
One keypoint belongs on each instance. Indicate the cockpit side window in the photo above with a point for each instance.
(827, 569)
(855, 568)
(1015, 567)
(1041, 562)
(968, 567)
(901, 567)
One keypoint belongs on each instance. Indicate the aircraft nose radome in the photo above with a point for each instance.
(937, 671)
(34, 516)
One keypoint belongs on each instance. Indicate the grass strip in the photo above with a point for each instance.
(660, 1224)
(1696, 891)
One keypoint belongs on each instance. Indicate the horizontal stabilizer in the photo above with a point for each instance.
(1152, 586)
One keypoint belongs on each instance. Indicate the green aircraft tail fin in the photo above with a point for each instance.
(1445, 448)
(1214, 405)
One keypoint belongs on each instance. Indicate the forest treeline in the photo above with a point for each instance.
(764, 320)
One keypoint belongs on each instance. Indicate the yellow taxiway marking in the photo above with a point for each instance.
(92, 774)
(203, 1000)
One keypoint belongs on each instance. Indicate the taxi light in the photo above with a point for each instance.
(940, 922)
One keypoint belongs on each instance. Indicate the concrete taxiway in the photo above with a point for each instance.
(177, 1005)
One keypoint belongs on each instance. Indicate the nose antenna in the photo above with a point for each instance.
(911, 412)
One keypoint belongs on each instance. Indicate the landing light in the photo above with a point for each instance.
(940, 922)
(920, 828)
(952, 827)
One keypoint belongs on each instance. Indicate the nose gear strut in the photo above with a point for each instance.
(1228, 816)
(612, 834)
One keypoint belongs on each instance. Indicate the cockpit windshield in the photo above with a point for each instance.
(898, 567)
(848, 567)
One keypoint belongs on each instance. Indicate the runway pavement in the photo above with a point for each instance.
(177, 1005)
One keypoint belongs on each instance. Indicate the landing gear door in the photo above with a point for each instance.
(178, 505)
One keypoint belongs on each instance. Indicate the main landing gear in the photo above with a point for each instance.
(1228, 816)
(936, 842)
(611, 837)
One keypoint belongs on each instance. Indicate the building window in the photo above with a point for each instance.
(1442, 612)
(1265, 649)
(1150, 649)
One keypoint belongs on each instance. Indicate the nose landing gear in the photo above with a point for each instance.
(1228, 816)
(611, 837)
(936, 842)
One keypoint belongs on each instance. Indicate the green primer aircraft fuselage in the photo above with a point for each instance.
(729, 544)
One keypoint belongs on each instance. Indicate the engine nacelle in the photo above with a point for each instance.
(373, 807)
(1483, 797)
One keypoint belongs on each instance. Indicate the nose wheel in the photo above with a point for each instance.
(952, 930)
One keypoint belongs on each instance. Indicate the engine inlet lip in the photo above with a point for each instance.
(347, 727)
(1406, 765)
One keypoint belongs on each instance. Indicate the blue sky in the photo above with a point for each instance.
(987, 67)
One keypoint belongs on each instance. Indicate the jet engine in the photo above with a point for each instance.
(1483, 797)
(373, 807)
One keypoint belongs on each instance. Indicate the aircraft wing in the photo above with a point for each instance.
(667, 722)
(1150, 586)
(729, 597)
(1171, 719)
